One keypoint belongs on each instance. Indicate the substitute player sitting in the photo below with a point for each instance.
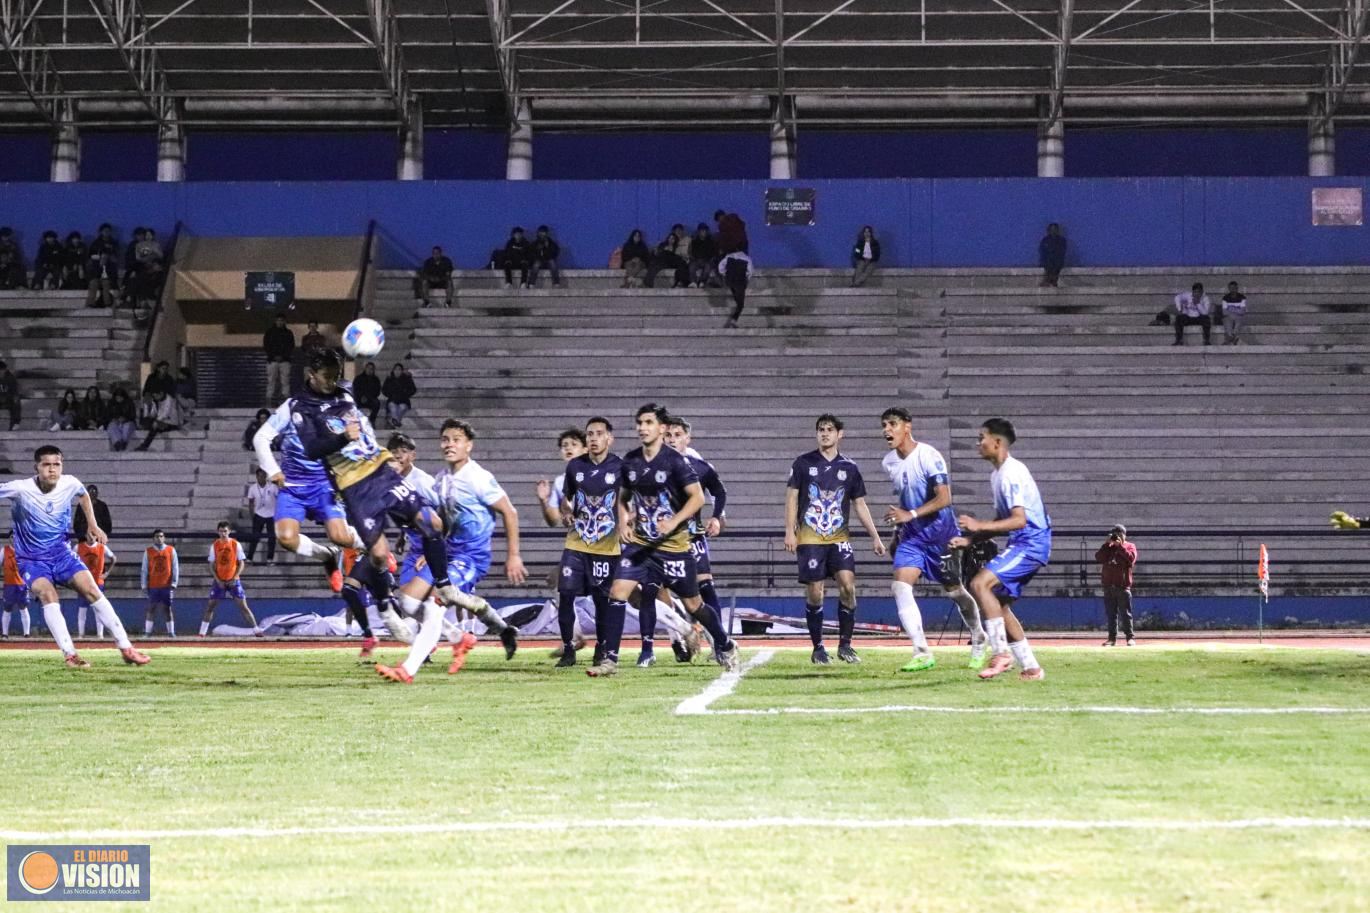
(41, 517)
(226, 557)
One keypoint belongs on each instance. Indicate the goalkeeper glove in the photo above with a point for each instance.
(1342, 520)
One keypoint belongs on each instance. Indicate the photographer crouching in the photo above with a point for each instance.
(1116, 558)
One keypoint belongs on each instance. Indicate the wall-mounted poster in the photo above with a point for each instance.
(789, 205)
(1337, 206)
(269, 291)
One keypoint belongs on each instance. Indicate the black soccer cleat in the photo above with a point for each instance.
(847, 654)
(510, 638)
(819, 657)
(682, 655)
(568, 659)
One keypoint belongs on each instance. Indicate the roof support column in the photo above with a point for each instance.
(66, 146)
(520, 162)
(1051, 143)
(1322, 139)
(410, 166)
(783, 146)
(171, 147)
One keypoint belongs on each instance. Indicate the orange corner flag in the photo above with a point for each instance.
(1263, 573)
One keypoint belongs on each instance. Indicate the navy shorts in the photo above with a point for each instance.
(16, 596)
(584, 574)
(161, 595)
(380, 497)
(819, 562)
(675, 571)
(699, 547)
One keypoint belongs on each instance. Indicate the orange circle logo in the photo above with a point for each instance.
(38, 873)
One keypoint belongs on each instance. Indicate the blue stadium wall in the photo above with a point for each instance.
(923, 222)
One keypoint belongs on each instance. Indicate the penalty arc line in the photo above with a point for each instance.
(721, 687)
(698, 824)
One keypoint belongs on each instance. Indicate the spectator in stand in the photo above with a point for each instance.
(543, 255)
(732, 233)
(123, 416)
(11, 271)
(47, 265)
(92, 415)
(636, 256)
(279, 345)
(67, 413)
(131, 266)
(1051, 254)
(399, 390)
(102, 517)
(147, 255)
(1234, 314)
(1193, 308)
(865, 253)
(366, 391)
(436, 272)
(703, 256)
(9, 396)
(7, 243)
(74, 257)
(260, 499)
(1116, 558)
(672, 253)
(102, 268)
(161, 379)
(186, 397)
(313, 339)
(737, 273)
(516, 252)
(252, 427)
(163, 415)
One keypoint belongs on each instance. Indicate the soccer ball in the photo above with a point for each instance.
(363, 338)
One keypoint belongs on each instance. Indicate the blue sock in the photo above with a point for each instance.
(846, 624)
(646, 615)
(352, 595)
(813, 617)
(706, 616)
(566, 617)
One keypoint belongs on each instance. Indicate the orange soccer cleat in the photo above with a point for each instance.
(74, 661)
(1033, 675)
(999, 663)
(395, 674)
(135, 657)
(368, 647)
(459, 651)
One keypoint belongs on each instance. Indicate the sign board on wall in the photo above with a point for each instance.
(789, 205)
(271, 291)
(1337, 206)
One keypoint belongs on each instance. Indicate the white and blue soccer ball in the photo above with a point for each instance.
(363, 338)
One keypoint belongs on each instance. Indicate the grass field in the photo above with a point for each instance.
(298, 780)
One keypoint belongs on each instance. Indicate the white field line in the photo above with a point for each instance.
(697, 824)
(1133, 711)
(721, 687)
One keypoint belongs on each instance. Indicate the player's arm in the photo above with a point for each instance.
(694, 500)
(93, 531)
(242, 559)
(941, 498)
(791, 519)
(625, 516)
(142, 577)
(513, 561)
(263, 439)
(175, 568)
(112, 558)
(863, 514)
(1017, 519)
(318, 442)
(551, 514)
(714, 486)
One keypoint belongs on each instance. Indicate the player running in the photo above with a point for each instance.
(160, 576)
(823, 487)
(1018, 511)
(226, 558)
(925, 528)
(41, 517)
(16, 595)
(99, 559)
(588, 506)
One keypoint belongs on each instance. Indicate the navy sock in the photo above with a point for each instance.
(601, 601)
(710, 596)
(435, 553)
(846, 624)
(352, 595)
(566, 617)
(646, 614)
(706, 616)
(813, 617)
(617, 613)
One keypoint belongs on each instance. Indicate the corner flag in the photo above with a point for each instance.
(1263, 573)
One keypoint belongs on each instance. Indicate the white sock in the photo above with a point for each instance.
(170, 625)
(99, 629)
(24, 620)
(475, 605)
(672, 621)
(5, 622)
(970, 613)
(1023, 654)
(204, 628)
(998, 638)
(80, 621)
(909, 616)
(105, 612)
(430, 632)
(451, 631)
(57, 626)
(398, 627)
(310, 550)
(357, 542)
(147, 626)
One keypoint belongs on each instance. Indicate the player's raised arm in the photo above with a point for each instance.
(551, 514)
(513, 561)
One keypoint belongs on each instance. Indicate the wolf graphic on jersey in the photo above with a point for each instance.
(595, 516)
(824, 514)
(650, 515)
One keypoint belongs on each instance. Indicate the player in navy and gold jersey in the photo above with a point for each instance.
(659, 493)
(588, 505)
(823, 487)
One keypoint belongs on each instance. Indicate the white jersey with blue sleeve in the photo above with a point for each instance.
(422, 482)
(1013, 486)
(465, 499)
(41, 518)
(915, 479)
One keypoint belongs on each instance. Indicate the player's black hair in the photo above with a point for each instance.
(827, 418)
(104, 225)
(600, 420)
(322, 358)
(263, 414)
(50, 234)
(401, 441)
(718, 214)
(898, 412)
(659, 411)
(575, 433)
(46, 450)
(543, 228)
(676, 421)
(158, 532)
(224, 524)
(1000, 427)
(456, 424)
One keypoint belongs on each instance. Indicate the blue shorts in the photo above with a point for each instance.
(923, 555)
(316, 502)
(699, 547)
(58, 567)
(819, 562)
(644, 564)
(584, 574)
(380, 497)
(16, 596)
(1015, 566)
(161, 595)
(233, 589)
(464, 569)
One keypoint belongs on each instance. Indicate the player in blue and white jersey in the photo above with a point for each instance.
(41, 517)
(1018, 511)
(467, 498)
(925, 526)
